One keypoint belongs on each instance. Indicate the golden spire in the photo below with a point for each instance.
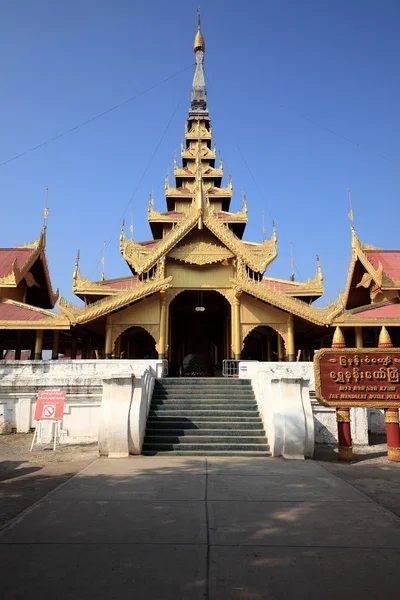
(199, 44)
(103, 260)
(75, 276)
(320, 276)
(46, 209)
(384, 339)
(338, 340)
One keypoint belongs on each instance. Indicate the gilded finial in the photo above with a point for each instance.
(384, 339)
(264, 229)
(320, 276)
(46, 211)
(131, 225)
(244, 203)
(199, 44)
(292, 276)
(350, 213)
(122, 233)
(76, 268)
(338, 340)
(103, 260)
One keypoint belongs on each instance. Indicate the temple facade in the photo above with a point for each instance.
(198, 292)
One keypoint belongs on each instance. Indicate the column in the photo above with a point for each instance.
(291, 348)
(391, 414)
(18, 345)
(56, 343)
(108, 341)
(345, 444)
(281, 348)
(38, 344)
(162, 342)
(359, 337)
(237, 349)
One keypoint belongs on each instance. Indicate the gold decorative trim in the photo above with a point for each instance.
(110, 304)
(200, 253)
(343, 416)
(319, 316)
(345, 452)
(256, 256)
(391, 416)
(394, 454)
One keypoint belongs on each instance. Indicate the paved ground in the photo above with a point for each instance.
(190, 528)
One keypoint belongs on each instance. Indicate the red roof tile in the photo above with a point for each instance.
(390, 260)
(120, 284)
(390, 311)
(278, 285)
(8, 256)
(15, 312)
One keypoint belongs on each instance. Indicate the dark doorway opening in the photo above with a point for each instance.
(200, 338)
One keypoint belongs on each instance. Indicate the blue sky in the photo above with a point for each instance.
(280, 75)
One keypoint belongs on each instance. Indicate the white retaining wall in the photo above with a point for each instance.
(325, 426)
(20, 382)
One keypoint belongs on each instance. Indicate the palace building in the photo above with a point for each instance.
(198, 292)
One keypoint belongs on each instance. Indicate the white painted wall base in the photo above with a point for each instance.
(324, 429)
(20, 382)
(108, 401)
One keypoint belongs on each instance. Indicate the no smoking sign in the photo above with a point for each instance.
(50, 405)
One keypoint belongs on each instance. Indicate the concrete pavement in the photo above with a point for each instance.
(190, 528)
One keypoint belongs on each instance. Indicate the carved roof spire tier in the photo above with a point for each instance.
(198, 104)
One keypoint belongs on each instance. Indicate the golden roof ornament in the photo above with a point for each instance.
(75, 275)
(199, 43)
(384, 339)
(338, 340)
(320, 276)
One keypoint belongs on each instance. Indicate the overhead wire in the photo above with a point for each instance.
(94, 118)
(153, 155)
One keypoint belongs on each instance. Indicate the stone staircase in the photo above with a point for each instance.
(204, 417)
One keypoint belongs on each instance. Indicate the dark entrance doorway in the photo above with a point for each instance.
(200, 326)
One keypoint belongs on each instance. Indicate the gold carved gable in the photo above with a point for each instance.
(200, 248)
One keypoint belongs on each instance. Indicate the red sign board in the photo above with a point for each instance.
(356, 377)
(49, 405)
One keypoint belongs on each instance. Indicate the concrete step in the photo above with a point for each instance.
(198, 393)
(189, 433)
(159, 447)
(192, 381)
(199, 405)
(198, 439)
(241, 453)
(202, 420)
(197, 413)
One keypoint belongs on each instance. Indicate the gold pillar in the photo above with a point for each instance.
(162, 342)
(56, 342)
(236, 337)
(291, 348)
(281, 348)
(359, 337)
(108, 342)
(38, 344)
